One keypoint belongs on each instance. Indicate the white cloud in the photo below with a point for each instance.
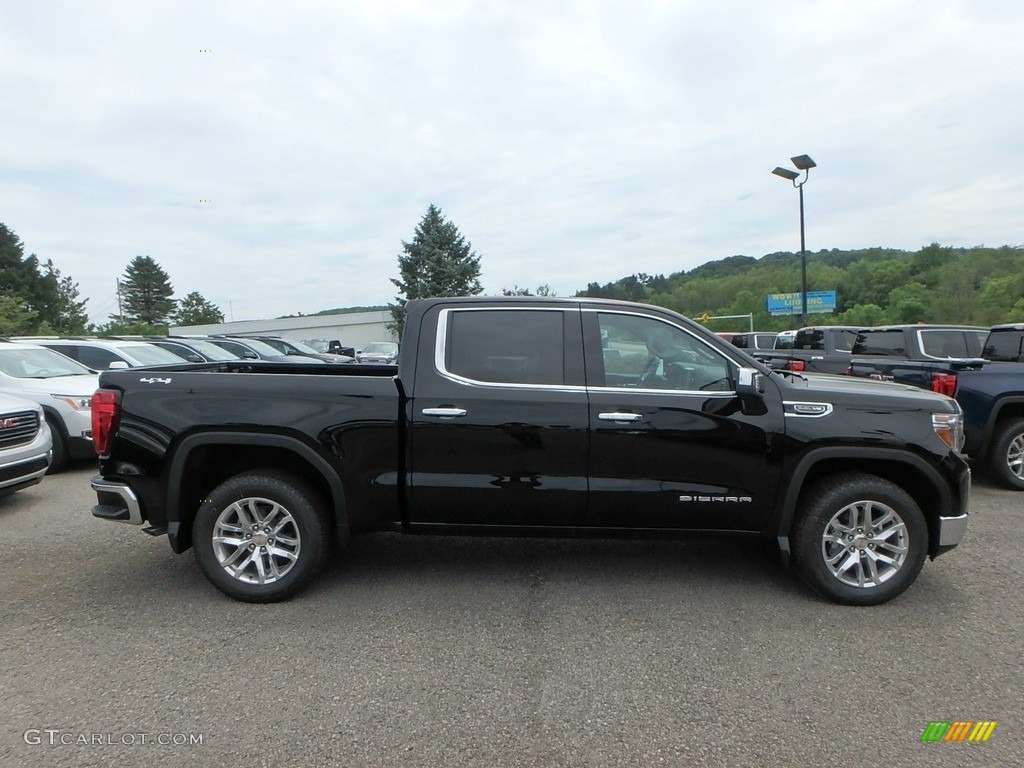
(570, 142)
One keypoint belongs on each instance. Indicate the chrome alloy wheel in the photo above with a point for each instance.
(1015, 456)
(865, 544)
(256, 540)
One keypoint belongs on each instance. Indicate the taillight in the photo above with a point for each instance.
(105, 403)
(944, 383)
(796, 365)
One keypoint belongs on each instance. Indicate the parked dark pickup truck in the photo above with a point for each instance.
(919, 355)
(990, 389)
(515, 416)
(818, 349)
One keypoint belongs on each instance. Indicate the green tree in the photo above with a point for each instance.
(910, 303)
(146, 292)
(864, 315)
(66, 314)
(15, 317)
(20, 279)
(196, 310)
(438, 262)
(116, 327)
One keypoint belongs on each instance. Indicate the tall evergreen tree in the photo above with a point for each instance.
(438, 262)
(46, 301)
(146, 292)
(194, 309)
(67, 314)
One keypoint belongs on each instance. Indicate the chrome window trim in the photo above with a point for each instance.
(441, 341)
(731, 364)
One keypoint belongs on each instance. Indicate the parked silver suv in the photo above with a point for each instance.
(24, 444)
(61, 386)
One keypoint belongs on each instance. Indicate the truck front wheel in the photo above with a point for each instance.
(260, 536)
(1006, 460)
(860, 540)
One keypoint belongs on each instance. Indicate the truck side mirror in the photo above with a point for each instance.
(118, 365)
(748, 382)
(750, 392)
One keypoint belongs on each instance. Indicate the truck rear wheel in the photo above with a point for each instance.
(261, 536)
(861, 540)
(1006, 460)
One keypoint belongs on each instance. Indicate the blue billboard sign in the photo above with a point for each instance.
(791, 303)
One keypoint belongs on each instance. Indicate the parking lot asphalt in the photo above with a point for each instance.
(444, 651)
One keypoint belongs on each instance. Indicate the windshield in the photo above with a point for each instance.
(211, 351)
(149, 354)
(29, 363)
(302, 347)
(259, 347)
(381, 348)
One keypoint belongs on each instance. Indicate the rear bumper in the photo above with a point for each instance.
(116, 501)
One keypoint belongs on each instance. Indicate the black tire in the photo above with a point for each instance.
(293, 538)
(59, 452)
(1006, 459)
(843, 555)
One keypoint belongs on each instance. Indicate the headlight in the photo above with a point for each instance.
(950, 429)
(78, 402)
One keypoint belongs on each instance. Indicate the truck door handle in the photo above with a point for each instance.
(444, 413)
(617, 416)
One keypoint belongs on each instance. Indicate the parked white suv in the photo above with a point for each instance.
(101, 354)
(24, 444)
(61, 386)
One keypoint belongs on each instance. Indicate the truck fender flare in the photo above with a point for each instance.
(797, 481)
(184, 449)
(1000, 404)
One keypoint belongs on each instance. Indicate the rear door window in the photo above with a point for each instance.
(509, 346)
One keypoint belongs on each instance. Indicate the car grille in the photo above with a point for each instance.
(18, 428)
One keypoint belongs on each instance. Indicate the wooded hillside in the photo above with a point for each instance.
(977, 286)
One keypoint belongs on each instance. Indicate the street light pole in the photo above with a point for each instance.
(803, 163)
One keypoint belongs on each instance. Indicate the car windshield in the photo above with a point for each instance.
(259, 347)
(212, 351)
(149, 354)
(302, 347)
(381, 348)
(29, 363)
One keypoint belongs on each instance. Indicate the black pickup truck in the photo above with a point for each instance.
(992, 398)
(982, 369)
(920, 355)
(532, 416)
(815, 349)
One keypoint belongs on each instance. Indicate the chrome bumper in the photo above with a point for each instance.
(116, 501)
(952, 530)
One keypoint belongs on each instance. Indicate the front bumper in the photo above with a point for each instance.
(952, 528)
(25, 465)
(951, 531)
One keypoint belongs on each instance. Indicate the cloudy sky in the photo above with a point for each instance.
(570, 141)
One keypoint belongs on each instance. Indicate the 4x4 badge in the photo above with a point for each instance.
(152, 380)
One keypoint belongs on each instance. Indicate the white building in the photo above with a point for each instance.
(354, 329)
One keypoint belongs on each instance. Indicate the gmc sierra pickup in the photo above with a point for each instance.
(515, 416)
(920, 355)
(989, 388)
(817, 349)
